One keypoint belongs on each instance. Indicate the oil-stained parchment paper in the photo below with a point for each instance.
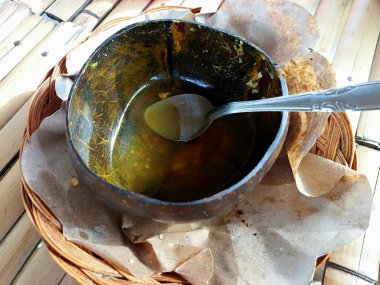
(273, 237)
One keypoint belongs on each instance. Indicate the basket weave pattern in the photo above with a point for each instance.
(336, 143)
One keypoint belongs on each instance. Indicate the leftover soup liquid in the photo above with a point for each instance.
(146, 163)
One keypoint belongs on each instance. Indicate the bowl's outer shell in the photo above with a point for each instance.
(132, 57)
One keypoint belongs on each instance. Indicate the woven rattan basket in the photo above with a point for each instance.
(337, 143)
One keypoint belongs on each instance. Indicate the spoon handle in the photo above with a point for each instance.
(359, 97)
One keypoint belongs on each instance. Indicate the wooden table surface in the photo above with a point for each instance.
(31, 44)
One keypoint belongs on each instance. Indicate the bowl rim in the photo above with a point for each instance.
(146, 199)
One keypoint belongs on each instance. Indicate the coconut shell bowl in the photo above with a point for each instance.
(134, 170)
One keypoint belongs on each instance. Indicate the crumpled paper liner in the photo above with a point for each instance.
(273, 237)
(282, 29)
(308, 73)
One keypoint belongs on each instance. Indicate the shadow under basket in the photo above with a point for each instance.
(336, 143)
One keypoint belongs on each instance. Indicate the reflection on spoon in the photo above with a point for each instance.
(179, 118)
(164, 119)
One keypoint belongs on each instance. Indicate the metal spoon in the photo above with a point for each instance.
(187, 116)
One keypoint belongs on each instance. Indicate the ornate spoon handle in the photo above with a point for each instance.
(359, 97)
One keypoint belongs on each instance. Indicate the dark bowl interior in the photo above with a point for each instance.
(118, 156)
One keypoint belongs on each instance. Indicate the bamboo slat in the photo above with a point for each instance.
(22, 11)
(18, 34)
(7, 9)
(13, 57)
(65, 10)
(86, 20)
(310, 5)
(101, 7)
(375, 68)
(363, 254)
(11, 206)
(331, 17)
(11, 135)
(16, 247)
(161, 3)
(94, 13)
(67, 280)
(36, 65)
(37, 6)
(336, 277)
(127, 8)
(364, 58)
(356, 48)
(40, 269)
(368, 130)
(207, 6)
(361, 126)
(369, 164)
(370, 255)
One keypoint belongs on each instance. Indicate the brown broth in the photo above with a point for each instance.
(146, 163)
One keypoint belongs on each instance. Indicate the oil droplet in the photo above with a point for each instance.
(74, 181)
(161, 236)
(163, 95)
(131, 261)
